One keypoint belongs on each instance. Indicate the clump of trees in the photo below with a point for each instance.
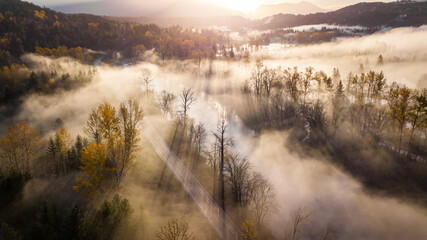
(57, 34)
(235, 183)
(362, 103)
(348, 118)
(18, 147)
(104, 160)
(62, 51)
(17, 80)
(111, 152)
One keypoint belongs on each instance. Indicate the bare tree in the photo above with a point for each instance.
(263, 197)
(166, 102)
(213, 162)
(306, 83)
(146, 78)
(237, 171)
(222, 142)
(330, 234)
(18, 146)
(257, 76)
(200, 136)
(175, 230)
(298, 218)
(187, 99)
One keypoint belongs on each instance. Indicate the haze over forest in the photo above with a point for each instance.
(213, 120)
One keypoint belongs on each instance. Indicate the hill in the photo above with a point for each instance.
(302, 8)
(25, 26)
(165, 8)
(362, 14)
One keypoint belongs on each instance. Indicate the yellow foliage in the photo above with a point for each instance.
(57, 24)
(148, 34)
(117, 132)
(96, 173)
(40, 14)
(1, 17)
(248, 231)
(138, 50)
(64, 139)
(14, 72)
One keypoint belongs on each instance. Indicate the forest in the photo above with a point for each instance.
(114, 130)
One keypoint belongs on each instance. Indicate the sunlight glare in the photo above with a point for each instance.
(244, 6)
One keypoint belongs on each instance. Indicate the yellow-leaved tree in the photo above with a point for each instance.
(96, 173)
(117, 132)
(248, 231)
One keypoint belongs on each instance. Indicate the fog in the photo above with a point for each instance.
(405, 55)
(330, 196)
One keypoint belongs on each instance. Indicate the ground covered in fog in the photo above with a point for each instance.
(326, 148)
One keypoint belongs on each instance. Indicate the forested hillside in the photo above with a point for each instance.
(25, 26)
(361, 14)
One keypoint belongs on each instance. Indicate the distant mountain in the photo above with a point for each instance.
(182, 8)
(376, 14)
(302, 8)
(233, 22)
(362, 14)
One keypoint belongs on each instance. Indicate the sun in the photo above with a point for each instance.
(245, 6)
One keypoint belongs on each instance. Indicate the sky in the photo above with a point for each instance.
(326, 4)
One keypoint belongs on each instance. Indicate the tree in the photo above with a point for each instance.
(298, 218)
(138, 50)
(213, 162)
(110, 217)
(200, 136)
(187, 99)
(58, 152)
(118, 132)
(263, 197)
(238, 176)
(292, 81)
(418, 115)
(306, 83)
(380, 60)
(222, 142)
(257, 76)
(175, 230)
(63, 143)
(400, 100)
(269, 79)
(8, 233)
(18, 147)
(336, 75)
(338, 107)
(248, 231)
(96, 172)
(146, 79)
(130, 117)
(93, 127)
(166, 102)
